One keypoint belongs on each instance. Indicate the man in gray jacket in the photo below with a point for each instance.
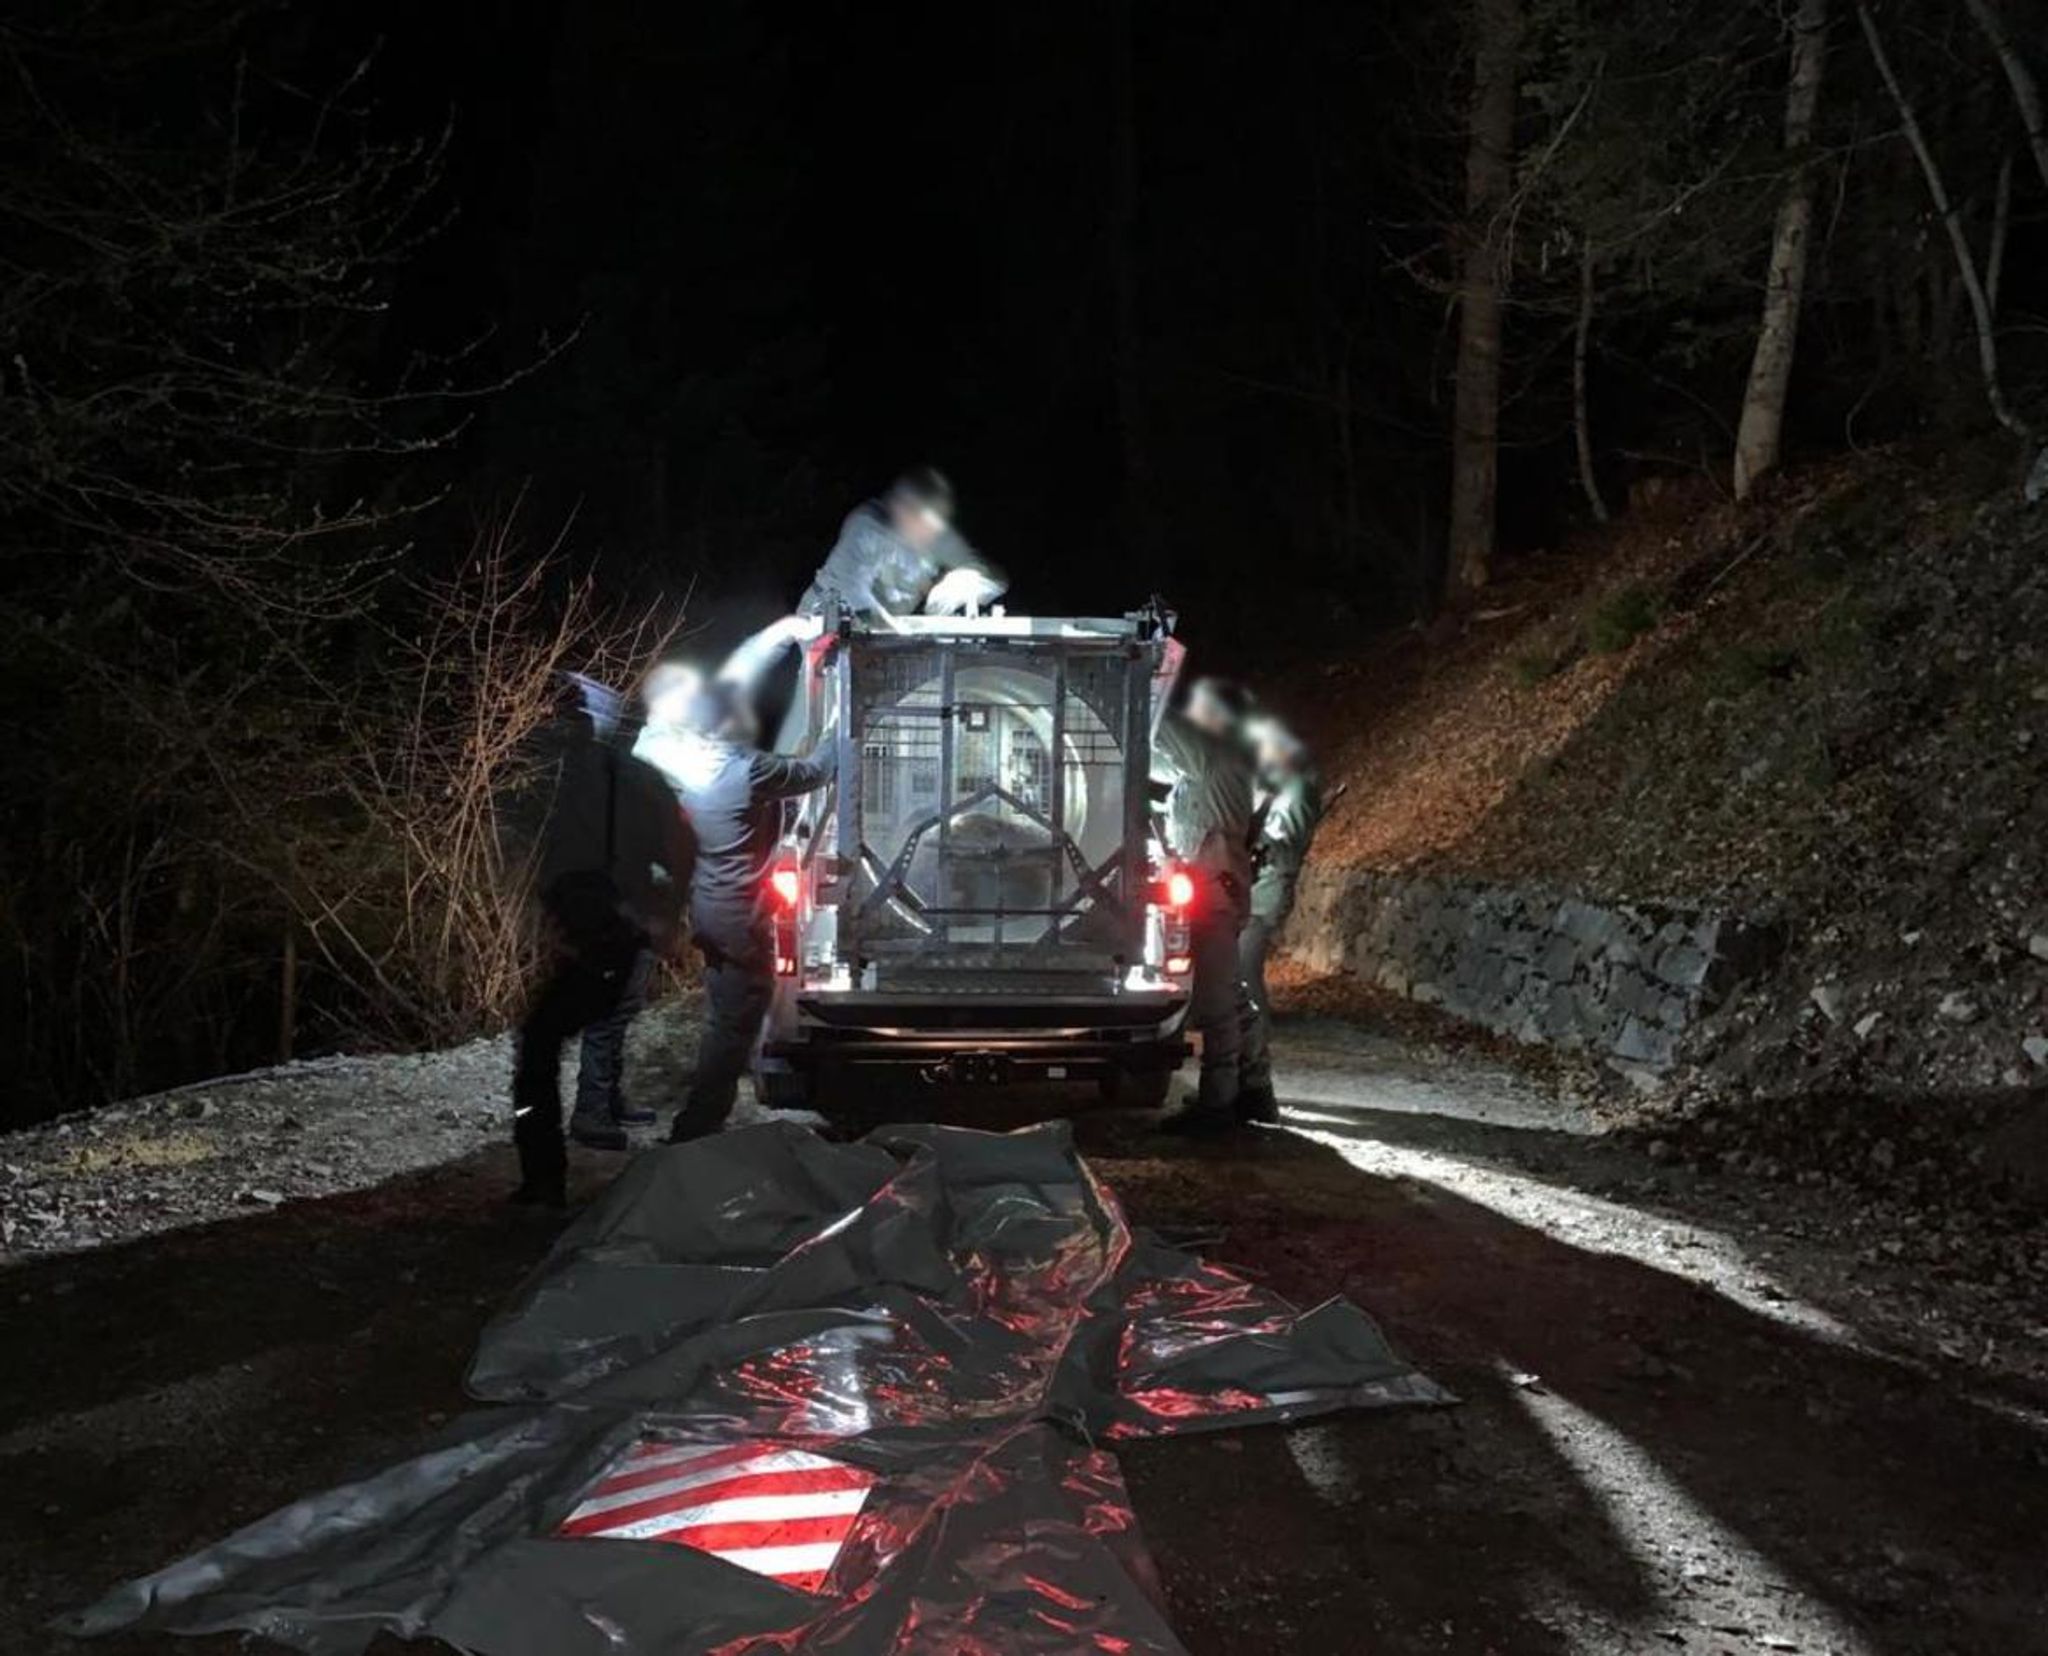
(896, 555)
(1200, 749)
(1290, 805)
(735, 797)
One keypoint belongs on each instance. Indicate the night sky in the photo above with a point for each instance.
(805, 247)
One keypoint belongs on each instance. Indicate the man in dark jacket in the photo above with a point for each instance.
(900, 554)
(735, 796)
(602, 1112)
(1290, 806)
(1201, 750)
(615, 859)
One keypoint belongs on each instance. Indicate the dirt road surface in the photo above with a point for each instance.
(1697, 1416)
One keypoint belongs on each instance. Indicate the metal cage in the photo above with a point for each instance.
(992, 805)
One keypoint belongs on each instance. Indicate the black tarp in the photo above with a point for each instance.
(772, 1394)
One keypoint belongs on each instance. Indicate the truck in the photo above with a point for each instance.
(982, 896)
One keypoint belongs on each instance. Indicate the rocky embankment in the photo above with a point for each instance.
(1620, 981)
(1755, 799)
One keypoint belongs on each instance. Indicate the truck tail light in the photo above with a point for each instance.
(1174, 890)
(786, 881)
(1173, 895)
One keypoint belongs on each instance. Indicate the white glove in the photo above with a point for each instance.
(961, 592)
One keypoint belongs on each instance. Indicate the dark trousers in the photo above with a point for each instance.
(737, 993)
(580, 989)
(1215, 998)
(1254, 944)
(601, 1066)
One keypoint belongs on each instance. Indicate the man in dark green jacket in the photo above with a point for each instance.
(1200, 749)
(893, 555)
(1290, 804)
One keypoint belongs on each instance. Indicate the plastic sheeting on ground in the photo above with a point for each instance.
(776, 1395)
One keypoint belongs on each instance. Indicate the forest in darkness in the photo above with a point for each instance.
(363, 366)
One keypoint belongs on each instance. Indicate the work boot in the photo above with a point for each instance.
(690, 1125)
(1196, 1119)
(543, 1188)
(598, 1133)
(631, 1115)
(1256, 1103)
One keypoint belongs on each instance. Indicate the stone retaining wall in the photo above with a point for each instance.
(1622, 981)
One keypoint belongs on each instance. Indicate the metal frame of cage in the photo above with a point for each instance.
(1078, 670)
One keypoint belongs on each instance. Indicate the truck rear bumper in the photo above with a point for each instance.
(889, 1014)
(980, 1037)
(980, 1058)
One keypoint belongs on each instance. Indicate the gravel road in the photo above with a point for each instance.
(1700, 1415)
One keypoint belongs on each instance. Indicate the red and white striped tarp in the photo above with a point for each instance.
(779, 1512)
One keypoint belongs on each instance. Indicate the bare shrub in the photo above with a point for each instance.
(441, 774)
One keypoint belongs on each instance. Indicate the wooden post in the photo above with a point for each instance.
(288, 996)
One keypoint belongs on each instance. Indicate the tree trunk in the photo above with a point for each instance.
(1582, 430)
(2026, 91)
(2001, 231)
(1760, 433)
(1482, 293)
(288, 996)
(1952, 221)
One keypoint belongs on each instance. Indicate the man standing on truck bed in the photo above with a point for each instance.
(1201, 749)
(901, 554)
(1290, 805)
(734, 794)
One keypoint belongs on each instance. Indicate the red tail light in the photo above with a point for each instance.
(786, 880)
(1178, 890)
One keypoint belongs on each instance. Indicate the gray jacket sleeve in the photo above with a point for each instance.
(953, 551)
(1178, 747)
(1290, 824)
(750, 662)
(855, 560)
(774, 776)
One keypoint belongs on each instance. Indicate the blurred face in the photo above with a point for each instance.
(1207, 712)
(1277, 752)
(920, 525)
(670, 690)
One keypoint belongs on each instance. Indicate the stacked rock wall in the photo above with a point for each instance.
(1620, 980)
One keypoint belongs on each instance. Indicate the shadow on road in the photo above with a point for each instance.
(1635, 1448)
(1681, 1467)
(1795, 1241)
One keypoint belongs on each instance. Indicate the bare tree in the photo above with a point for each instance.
(1951, 218)
(2019, 74)
(1760, 433)
(423, 911)
(1582, 427)
(206, 448)
(1485, 261)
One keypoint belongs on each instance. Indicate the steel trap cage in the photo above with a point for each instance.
(992, 794)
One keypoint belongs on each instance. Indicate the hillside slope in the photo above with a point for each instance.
(1829, 711)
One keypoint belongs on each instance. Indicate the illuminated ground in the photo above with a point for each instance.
(1697, 1416)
